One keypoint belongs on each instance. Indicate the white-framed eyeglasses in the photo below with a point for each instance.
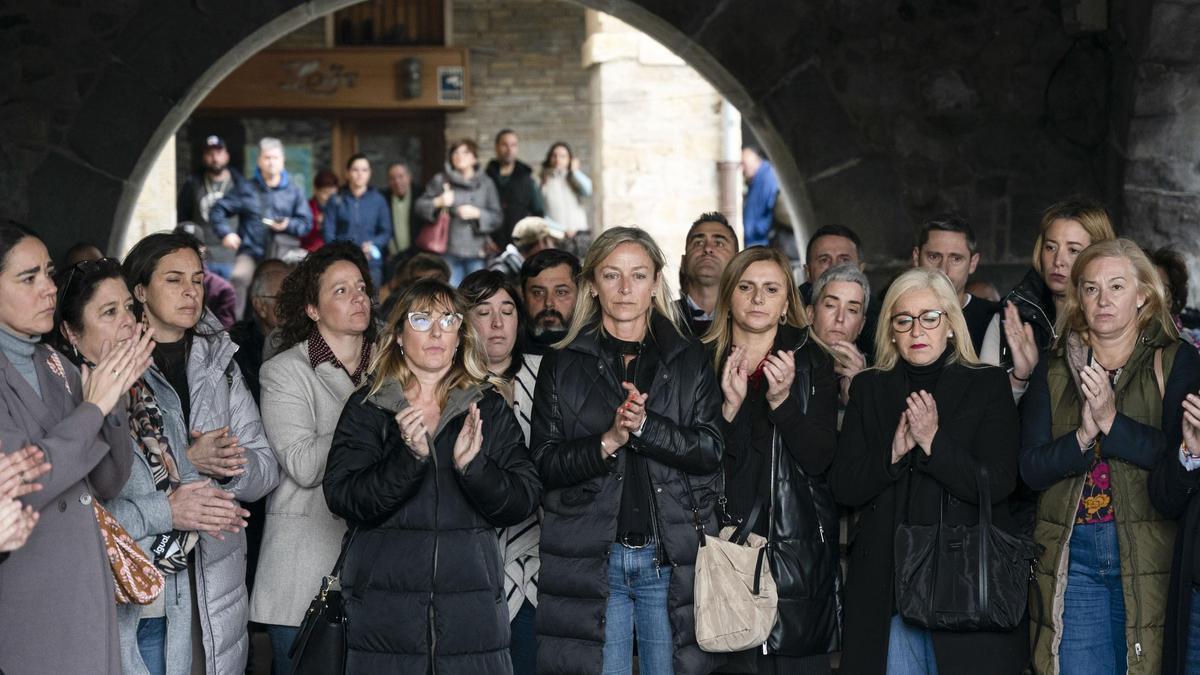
(422, 322)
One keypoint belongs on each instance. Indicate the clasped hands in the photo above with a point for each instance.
(19, 472)
(1099, 405)
(627, 419)
(917, 427)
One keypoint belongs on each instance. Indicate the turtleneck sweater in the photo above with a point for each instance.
(19, 351)
(925, 377)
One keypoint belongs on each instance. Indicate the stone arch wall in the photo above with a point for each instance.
(876, 115)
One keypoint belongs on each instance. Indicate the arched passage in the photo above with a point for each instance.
(157, 62)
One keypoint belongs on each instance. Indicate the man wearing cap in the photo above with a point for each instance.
(203, 189)
(530, 235)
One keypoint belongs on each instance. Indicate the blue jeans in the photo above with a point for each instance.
(282, 638)
(1193, 643)
(910, 650)
(152, 644)
(637, 603)
(1093, 638)
(523, 645)
(461, 267)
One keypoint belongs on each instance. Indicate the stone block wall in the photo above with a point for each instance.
(525, 75)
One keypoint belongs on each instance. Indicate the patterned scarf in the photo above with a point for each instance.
(170, 549)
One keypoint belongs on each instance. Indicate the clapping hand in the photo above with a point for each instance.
(216, 453)
(1191, 424)
(1098, 393)
(902, 440)
(780, 370)
(470, 439)
(734, 381)
(16, 522)
(922, 418)
(119, 367)
(412, 430)
(848, 361)
(1021, 344)
(20, 470)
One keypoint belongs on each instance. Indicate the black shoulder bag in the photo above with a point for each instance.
(320, 646)
(962, 577)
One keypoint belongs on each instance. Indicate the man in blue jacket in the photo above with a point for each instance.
(762, 189)
(359, 214)
(272, 214)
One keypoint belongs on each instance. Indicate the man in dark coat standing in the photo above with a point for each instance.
(519, 193)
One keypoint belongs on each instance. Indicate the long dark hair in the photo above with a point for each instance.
(11, 234)
(143, 259)
(477, 288)
(302, 288)
(548, 168)
(76, 287)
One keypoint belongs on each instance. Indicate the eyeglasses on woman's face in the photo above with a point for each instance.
(929, 319)
(422, 322)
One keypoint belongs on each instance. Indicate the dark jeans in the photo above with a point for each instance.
(152, 644)
(523, 645)
(282, 638)
(1193, 645)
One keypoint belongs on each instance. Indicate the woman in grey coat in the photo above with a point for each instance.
(326, 333)
(57, 606)
(470, 198)
(209, 413)
(165, 505)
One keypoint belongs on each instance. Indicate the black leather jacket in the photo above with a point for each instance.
(799, 516)
(1035, 305)
(576, 397)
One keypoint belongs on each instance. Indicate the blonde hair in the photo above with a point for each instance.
(917, 279)
(1092, 217)
(587, 306)
(1156, 307)
(720, 333)
(469, 367)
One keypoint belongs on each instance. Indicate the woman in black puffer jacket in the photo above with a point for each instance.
(625, 422)
(426, 463)
(780, 427)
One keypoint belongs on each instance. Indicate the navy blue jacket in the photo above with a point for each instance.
(359, 219)
(251, 201)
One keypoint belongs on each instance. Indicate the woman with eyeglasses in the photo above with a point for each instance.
(625, 434)
(495, 310)
(209, 419)
(165, 504)
(1102, 409)
(427, 461)
(57, 609)
(918, 428)
(326, 333)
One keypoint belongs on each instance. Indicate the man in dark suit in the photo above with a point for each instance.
(947, 243)
(711, 243)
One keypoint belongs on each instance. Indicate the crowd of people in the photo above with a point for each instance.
(518, 450)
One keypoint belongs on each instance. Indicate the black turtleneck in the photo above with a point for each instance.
(925, 377)
(635, 513)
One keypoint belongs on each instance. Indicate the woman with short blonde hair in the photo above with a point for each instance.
(919, 429)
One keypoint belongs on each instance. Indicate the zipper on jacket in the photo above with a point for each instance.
(771, 509)
(660, 547)
(1137, 596)
(432, 620)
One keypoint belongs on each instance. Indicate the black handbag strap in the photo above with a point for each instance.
(336, 573)
(742, 533)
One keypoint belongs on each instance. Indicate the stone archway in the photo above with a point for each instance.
(139, 71)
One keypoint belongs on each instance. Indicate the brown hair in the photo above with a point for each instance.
(1092, 217)
(1156, 307)
(720, 334)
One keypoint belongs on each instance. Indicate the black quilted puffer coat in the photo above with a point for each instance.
(576, 397)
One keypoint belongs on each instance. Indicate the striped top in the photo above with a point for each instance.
(520, 542)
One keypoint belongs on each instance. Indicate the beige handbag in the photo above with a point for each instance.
(736, 602)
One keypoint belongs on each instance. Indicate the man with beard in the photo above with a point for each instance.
(519, 193)
(711, 243)
(203, 189)
(548, 286)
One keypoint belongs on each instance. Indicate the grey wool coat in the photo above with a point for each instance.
(301, 538)
(57, 607)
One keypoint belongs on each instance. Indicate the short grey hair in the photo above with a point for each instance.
(270, 143)
(848, 272)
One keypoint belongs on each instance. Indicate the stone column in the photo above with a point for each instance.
(155, 207)
(656, 136)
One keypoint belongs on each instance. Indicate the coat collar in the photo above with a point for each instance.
(667, 338)
(391, 398)
(48, 408)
